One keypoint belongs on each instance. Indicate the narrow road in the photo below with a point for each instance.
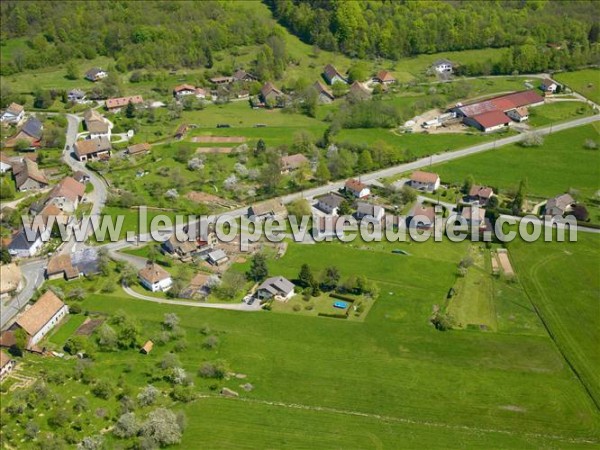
(230, 306)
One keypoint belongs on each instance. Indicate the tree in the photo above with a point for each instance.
(322, 173)
(345, 208)
(305, 277)
(130, 110)
(330, 278)
(5, 257)
(72, 71)
(148, 395)
(270, 174)
(517, 203)
(162, 427)
(261, 147)
(170, 321)
(365, 161)
(127, 274)
(7, 189)
(107, 337)
(299, 208)
(532, 139)
(358, 72)
(91, 443)
(468, 184)
(21, 340)
(126, 426)
(407, 195)
(103, 389)
(258, 268)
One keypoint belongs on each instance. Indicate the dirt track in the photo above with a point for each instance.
(219, 139)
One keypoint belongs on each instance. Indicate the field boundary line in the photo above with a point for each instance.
(326, 409)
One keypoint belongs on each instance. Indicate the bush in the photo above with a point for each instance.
(216, 369)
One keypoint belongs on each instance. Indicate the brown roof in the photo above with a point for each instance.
(147, 347)
(322, 89)
(292, 162)
(34, 319)
(217, 80)
(491, 119)
(427, 211)
(271, 206)
(359, 89)
(330, 71)
(139, 148)
(15, 108)
(268, 88)
(91, 115)
(119, 102)
(424, 177)
(199, 280)
(355, 185)
(51, 210)
(384, 75)
(69, 188)
(153, 273)
(62, 264)
(467, 213)
(91, 146)
(10, 278)
(28, 169)
(184, 87)
(4, 359)
(481, 191)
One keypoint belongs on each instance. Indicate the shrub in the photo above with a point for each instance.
(216, 369)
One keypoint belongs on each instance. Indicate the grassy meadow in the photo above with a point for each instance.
(586, 82)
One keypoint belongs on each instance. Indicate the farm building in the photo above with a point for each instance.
(139, 149)
(520, 114)
(488, 121)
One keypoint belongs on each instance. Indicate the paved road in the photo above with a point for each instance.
(231, 306)
(33, 277)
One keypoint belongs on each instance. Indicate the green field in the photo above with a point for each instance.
(562, 281)
(552, 113)
(559, 164)
(586, 82)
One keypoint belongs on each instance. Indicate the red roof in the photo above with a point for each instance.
(491, 119)
(424, 177)
(384, 75)
(123, 101)
(502, 103)
(355, 185)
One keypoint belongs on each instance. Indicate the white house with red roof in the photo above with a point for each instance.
(425, 181)
(357, 188)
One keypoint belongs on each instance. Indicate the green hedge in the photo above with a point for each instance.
(342, 297)
(334, 316)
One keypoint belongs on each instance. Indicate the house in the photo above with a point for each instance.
(183, 89)
(243, 76)
(548, 86)
(269, 209)
(424, 181)
(488, 121)
(42, 317)
(442, 66)
(96, 125)
(147, 347)
(5, 163)
(359, 91)
(28, 241)
(61, 266)
(11, 280)
(52, 216)
(293, 162)
(67, 194)
(330, 203)
(96, 74)
(422, 217)
(270, 95)
(139, 149)
(30, 132)
(221, 80)
(278, 288)
(217, 257)
(76, 95)
(200, 93)
(325, 95)
(92, 149)
(6, 365)
(155, 278)
(520, 114)
(28, 176)
(81, 177)
(357, 189)
(384, 77)
(333, 76)
(183, 248)
(116, 104)
(559, 205)
(369, 211)
(474, 216)
(325, 227)
(480, 194)
(13, 114)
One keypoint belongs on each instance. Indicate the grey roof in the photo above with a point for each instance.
(561, 202)
(331, 200)
(76, 93)
(33, 127)
(93, 72)
(367, 209)
(86, 261)
(441, 61)
(21, 242)
(277, 286)
(217, 255)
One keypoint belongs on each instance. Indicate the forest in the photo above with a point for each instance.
(396, 29)
(136, 34)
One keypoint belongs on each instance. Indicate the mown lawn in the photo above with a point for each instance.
(66, 329)
(560, 164)
(552, 113)
(586, 82)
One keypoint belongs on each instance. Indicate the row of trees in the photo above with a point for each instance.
(397, 29)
